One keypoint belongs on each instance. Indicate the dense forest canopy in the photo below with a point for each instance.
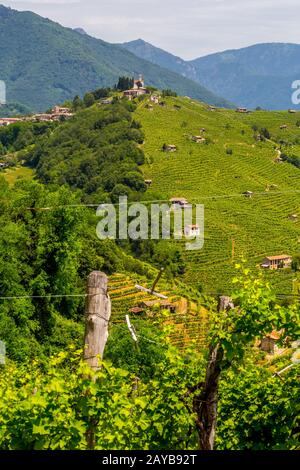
(96, 152)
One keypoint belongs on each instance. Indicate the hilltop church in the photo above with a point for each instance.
(137, 90)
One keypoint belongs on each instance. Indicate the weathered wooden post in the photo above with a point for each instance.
(97, 315)
(225, 303)
(206, 406)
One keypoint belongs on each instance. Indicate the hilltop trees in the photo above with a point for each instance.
(124, 83)
(168, 92)
(101, 93)
(88, 100)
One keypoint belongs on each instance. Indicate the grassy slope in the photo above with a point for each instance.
(259, 226)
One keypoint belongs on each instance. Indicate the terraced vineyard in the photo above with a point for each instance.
(216, 174)
(189, 323)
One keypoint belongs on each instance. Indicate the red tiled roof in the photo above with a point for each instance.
(136, 310)
(274, 335)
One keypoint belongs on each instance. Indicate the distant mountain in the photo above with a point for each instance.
(259, 75)
(160, 57)
(80, 31)
(44, 63)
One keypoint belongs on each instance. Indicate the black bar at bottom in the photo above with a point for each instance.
(140, 459)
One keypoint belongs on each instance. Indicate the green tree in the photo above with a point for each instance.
(77, 103)
(88, 100)
(296, 263)
(168, 92)
(124, 83)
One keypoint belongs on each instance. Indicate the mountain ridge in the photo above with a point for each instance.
(256, 75)
(44, 63)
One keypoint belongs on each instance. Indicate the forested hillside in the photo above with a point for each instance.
(44, 63)
(96, 152)
(13, 109)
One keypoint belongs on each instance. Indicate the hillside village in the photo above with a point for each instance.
(58, 113)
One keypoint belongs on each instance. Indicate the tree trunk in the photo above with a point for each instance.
(206, 406)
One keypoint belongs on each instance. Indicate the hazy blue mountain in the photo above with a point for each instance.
(80, 31)
(44, 63)
(158, 56)
(259, 75)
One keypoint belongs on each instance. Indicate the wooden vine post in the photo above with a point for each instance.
(206, 405)
(97, 315)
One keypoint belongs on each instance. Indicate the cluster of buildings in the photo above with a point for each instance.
(178, 203)
(144, 306)
(269, 344)
(8, 121)
(137, 90)
(56, 114)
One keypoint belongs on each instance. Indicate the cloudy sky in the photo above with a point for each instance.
(188, 28)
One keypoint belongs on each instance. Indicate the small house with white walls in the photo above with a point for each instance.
(277, 262)
(192, 231)
(179, 203)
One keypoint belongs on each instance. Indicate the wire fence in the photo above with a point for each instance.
(193, 201)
